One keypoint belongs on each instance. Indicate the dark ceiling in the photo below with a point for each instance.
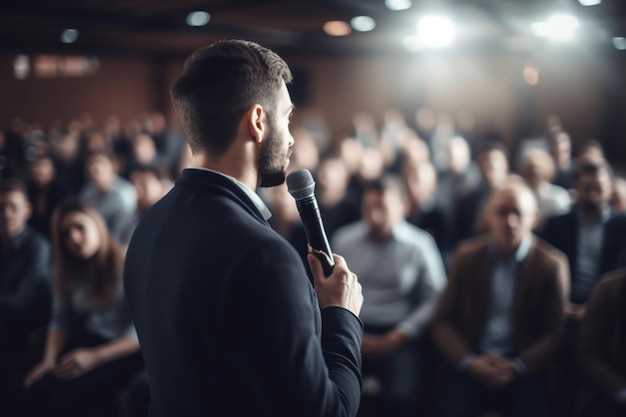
(157, 27)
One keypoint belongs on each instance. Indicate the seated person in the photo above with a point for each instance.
(111, 195)
(91, 348)
(602, 349)
(25, 269)
(499, 322)
(402, 274)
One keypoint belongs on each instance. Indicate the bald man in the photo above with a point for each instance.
(499, 321)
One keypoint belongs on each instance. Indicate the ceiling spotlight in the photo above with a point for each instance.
(559, 27)
(198, 18)
(363, 23)
(397, 5)
(436, 31)
(619, 43)
(69, 35)
(590, 2)
(337, 28)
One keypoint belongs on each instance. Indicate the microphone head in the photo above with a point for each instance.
(300, 184)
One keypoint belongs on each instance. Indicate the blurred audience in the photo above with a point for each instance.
(494, 169)
(460, 179)
(69, 166)
(537, 168)
(114, 197)
(560, 146)
(45, 192)
(150, 185)
(423, 211)
(452, 188)
(338, 205)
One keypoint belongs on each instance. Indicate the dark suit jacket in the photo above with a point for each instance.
(538, 306)
(562, 232)
(25, 273)
(602, 338)
(227, 319)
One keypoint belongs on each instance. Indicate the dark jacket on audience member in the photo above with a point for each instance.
(25, 270)
(602, 338)
(538, 306)
(227, 319)
(562, 232)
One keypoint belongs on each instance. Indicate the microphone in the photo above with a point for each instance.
(301, 186)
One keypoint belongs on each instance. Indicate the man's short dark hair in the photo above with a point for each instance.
(387, 182)
(220, 82)
(492, 145)
(588, 144)
(10, 185)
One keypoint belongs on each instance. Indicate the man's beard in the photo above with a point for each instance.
(271, 159)
(591, 208)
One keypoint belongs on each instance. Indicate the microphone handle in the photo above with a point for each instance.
(314, 229)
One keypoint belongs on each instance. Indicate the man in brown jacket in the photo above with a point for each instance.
(499, 322)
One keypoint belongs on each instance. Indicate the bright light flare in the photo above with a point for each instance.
(436, 31)
(363, 23)
(590, 2)
(619, 43)
(559, 27)
(397, 5)
(69, 36)
(337, 28)
(199, 18)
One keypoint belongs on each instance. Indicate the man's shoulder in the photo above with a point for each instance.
(352, 232)
(547, 253)
(34, 240)
(613, 281)
(559, 220)
(470, 247)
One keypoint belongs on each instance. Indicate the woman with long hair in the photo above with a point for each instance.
(91, 347)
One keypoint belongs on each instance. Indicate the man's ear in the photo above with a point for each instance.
(255, 121)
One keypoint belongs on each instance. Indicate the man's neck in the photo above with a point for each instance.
(230, 165)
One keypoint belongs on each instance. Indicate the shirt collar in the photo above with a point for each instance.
(604, 217)
(520, 253)
(256, 200)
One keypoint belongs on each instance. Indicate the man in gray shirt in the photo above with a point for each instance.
(402, 274)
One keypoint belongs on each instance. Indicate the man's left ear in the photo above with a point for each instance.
(255, 118)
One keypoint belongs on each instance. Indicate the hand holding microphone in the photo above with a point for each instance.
(335, 284)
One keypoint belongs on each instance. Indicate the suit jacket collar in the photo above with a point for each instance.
(217, 183)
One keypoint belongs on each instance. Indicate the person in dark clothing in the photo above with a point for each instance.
(25, 267)
(228, 321)
(45, 192)
(592, 238)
